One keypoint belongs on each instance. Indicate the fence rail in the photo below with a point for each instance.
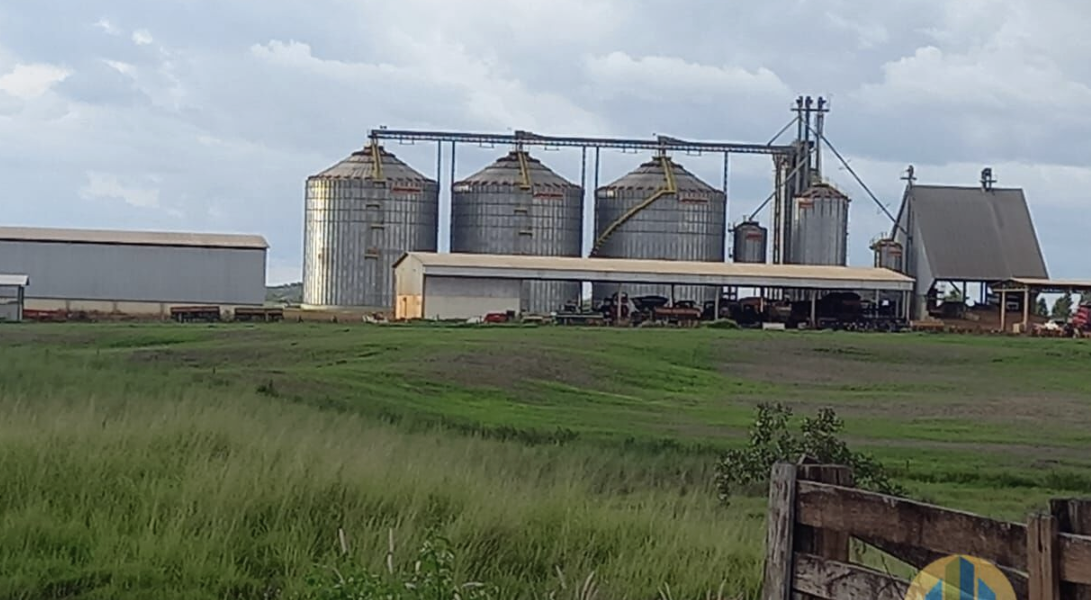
(815, 512)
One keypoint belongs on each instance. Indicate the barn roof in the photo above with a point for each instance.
(970, 234)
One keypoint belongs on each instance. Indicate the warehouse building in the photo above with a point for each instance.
(965, 235)
(463, 286)
(134, 273)
(12, 290)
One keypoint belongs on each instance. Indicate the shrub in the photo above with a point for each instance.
(772, 441)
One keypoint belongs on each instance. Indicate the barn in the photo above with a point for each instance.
(134, 272)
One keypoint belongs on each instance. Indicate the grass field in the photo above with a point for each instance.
(209, 462)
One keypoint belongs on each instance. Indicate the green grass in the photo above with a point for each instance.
(210, 462)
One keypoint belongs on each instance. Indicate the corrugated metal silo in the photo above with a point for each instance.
(820, 227)
(750, 242)
(362, 214)
(659, 211)
(888, 254)
(519, 206)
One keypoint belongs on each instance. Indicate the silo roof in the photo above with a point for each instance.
(506, 170)
(650, 176)
(359, 165)
(970, 234)
(823, 190)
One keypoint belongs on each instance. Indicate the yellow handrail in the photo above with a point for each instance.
(376, 161)
(671, 188)
(524, 170)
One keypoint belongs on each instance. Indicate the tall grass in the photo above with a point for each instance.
(123, 484)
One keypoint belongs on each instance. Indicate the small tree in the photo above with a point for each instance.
(1041, 309)
(954, 296)
(1062, 308)
(772, 441)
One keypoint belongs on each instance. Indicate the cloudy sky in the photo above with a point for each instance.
(207, 115)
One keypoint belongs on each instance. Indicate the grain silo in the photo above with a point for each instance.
(889, 254)
(659, 211)
(519, 206)
(819, 227)
(362, 214)
(750, 243)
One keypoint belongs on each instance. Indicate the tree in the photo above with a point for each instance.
(1042, 309)
(954, 296)
(1062, 308)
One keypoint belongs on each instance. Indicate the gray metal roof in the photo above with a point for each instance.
(133, 238)
(8, 280)
(658, 271)
(970, 234)
(359, 165)
(506, 171)
(650, 176)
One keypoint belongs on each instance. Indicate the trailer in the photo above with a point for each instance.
(195, 314)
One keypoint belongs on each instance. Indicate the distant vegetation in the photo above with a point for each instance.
(173, 461)
(288, 293)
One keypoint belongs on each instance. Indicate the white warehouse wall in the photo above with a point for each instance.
(137, 273)
(469, 297)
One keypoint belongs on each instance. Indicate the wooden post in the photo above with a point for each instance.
(779, 533)
(1026, 310)
(1003, 311)
(1043, 566)
(1073, 516)
(831, 545)
(814, 309)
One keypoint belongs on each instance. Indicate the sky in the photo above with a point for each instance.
(208, 115)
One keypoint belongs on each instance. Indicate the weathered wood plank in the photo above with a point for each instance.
(827, 543)
(780, 527)
(834, 580)
(1073, 516)
(879, 517)
(1042, 565)
(1075, 557)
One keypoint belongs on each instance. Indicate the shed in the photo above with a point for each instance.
(12, 296)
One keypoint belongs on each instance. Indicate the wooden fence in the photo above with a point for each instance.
(814, 513)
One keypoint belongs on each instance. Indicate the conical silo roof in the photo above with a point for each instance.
(651, 176)
(360, 165)
(507, 171)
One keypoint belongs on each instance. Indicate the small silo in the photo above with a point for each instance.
(659, 211)
(889, 254)
(820, 227)
(750, 242)
(362, 214)
(519, 206)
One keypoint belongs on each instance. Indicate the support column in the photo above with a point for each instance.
(716, 306)
(1026, 310)
(814, 309)
(1003, 311)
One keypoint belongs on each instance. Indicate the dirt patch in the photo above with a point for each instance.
(507, 367)
(813, 361)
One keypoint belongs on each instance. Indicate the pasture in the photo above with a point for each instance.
(220, 461)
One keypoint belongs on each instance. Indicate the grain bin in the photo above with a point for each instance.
(819, 227)
(889, 254)
(659, 211)
(362, 214)
(750, 243)
(518, 206)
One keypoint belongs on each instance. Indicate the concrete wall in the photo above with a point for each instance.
(468, 297)
(150, 310)
(138, 274)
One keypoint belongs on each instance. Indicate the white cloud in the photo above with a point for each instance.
(673, 78)
(142, 37)
(121, 67)
(27, 81)
(108, 185)
(868, 34)
(105, 25)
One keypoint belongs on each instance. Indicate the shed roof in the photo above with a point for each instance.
(659, 271)
(1046, 285)
(11, 280)
(970, 234)
(135, 238)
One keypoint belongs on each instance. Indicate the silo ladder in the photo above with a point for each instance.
(670, 188)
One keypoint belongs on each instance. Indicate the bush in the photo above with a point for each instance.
(772, 441)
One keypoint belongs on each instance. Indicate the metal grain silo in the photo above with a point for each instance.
(362, 214)
(750, 242)
(660, 211)
(820, 227)
(519, 206)
(888, 254)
